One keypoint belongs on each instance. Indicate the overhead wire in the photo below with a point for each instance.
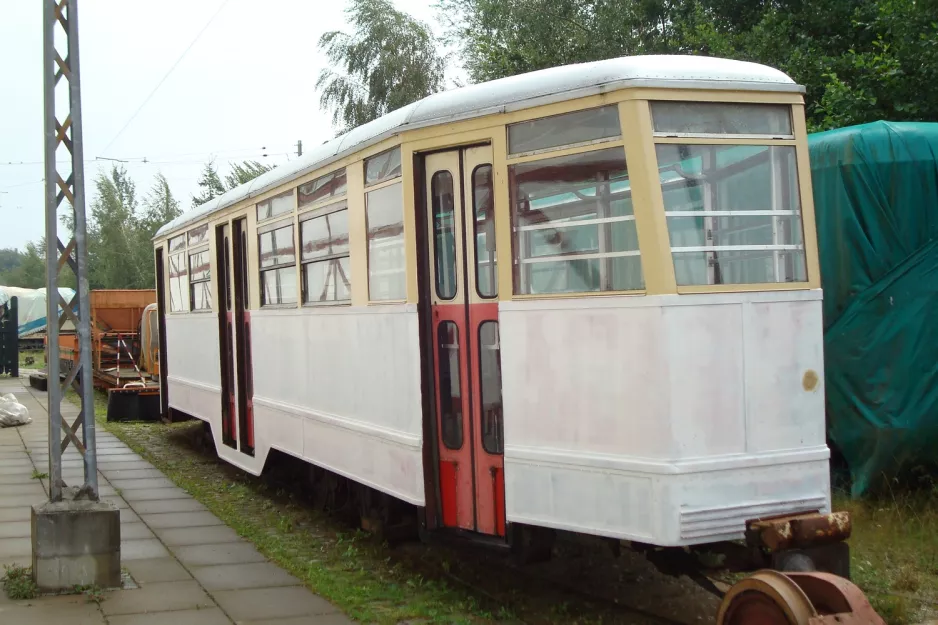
(166, 75)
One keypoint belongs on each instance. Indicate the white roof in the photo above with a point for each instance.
(508, 94)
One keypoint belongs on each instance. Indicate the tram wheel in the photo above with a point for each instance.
(766, 598)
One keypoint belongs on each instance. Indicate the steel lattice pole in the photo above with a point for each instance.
(64, 14)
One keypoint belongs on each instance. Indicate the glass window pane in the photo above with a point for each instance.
(325, 236)
(484, 205)
(177, 283)
(177, 243)
(278, 286)
(201, 296)
(383, 166)
(384, 214)
(573, 225)
(733, 213)
(327, 280)
(490, 376)
(277, 205)
(330, 185)
(199, 267)
(276, 247)
(730, 118)
(450, 396)
(566, 129)
(198, 235)
(444, 233)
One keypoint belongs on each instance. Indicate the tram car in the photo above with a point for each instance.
(585, 298)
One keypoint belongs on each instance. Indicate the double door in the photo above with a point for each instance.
(234, 329)
(463, 294)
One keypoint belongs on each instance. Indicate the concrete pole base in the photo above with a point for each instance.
(76, 542)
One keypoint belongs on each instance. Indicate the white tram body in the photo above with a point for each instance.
(655, 290)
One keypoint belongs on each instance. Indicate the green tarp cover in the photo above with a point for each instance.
(876, 198)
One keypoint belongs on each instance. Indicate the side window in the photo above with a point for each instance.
(573, 228)
(483, 205)
(444, 233)
(277, 205)
(178, 275)
(277, 256)
(384, 214)
(324, 252)
(200, 275)
(449, 388)
(490, 377)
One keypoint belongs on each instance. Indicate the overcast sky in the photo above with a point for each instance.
(245, 88)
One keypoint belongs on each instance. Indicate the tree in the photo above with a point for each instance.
(30, 270)
(389, 61)
(160, 207)
(210, 183)
(244, 172)
(119, 250)
(860, 60)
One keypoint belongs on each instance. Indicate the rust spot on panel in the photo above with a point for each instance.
(797, 531)
(810, 380)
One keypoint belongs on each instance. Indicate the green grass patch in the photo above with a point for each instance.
(18, 582)
(32, 359)
(894, 553)
(39, 475)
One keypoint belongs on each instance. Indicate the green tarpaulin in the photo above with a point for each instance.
(876, 197)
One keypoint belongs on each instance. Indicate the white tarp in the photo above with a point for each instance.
(31, 305)
(12, 413)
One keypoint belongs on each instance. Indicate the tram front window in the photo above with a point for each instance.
(733, 213)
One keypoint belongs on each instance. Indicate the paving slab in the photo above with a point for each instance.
(139, 549)
(211, 616)
(322, 619)
(135, 531)
(272, 603)
(222, 553)
(18, 501)
(22, 513)
(181, 519)
(72, 609)
(129, 516)
(108, 467)
(255, 575)
(147, 482)
(16, 547)
(152, 570)
(31, 487)
(147, 494)
(158, 597)
(158, 506)
(122, 474)
(183, 536)
(15, 529)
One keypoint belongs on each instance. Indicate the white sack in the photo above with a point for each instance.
(12, 413)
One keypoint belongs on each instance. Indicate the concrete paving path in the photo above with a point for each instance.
(190, 568)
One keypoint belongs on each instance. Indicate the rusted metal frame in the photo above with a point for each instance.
(799, 531)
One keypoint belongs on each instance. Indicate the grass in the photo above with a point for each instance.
(18, 582)
(39, 475)
(894, 553)
(33, 359)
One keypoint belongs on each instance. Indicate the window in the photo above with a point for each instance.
(325, 255)
(324, 187)
(384, 166)
(721, 118)
(733, 213)
(177, 244)
(447, 336)
(277, 253)
(575, 128)
(444, 234)
(200, 275)
(490, 377)
(573, 229)
(177, 281)
(277, 205)
(199, 235)
(483, 204)
(384, 213)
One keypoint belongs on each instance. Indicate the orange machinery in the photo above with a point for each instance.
(125, 353)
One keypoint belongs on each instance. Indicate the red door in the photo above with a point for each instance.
(464, 313)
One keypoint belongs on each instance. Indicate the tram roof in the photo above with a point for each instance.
(510, 94)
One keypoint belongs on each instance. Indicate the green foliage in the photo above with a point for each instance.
(29, 270)
(18, 582)
(212, 185)
(389, 61)
(860, 60)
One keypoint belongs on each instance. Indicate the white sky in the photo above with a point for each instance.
(247, 83)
